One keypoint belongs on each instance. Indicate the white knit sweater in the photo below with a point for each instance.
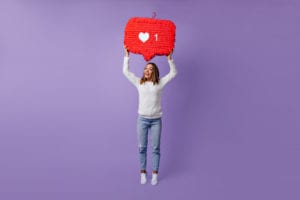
(149, 94)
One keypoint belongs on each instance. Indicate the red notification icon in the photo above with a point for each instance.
(149, 36)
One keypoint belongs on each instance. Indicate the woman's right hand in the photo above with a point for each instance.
(126, 51)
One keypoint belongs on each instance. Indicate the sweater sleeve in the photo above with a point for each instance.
(172, 73)
(129, 75)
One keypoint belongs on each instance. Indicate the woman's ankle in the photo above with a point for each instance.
(143, 171)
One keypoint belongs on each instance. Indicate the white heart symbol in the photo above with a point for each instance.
(143, 36)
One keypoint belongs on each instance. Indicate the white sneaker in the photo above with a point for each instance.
(143, 178)
(154, 180)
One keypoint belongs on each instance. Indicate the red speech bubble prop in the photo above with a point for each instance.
(149, 36)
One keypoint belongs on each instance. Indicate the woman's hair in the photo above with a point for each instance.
(154, 76)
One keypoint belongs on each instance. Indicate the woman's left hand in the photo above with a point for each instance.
(170, 55)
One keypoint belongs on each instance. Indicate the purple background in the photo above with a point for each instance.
(68, 115)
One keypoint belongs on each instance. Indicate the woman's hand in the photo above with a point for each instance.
(126, 51)
(170, 55)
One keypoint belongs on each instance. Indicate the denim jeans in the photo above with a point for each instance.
(152, 126)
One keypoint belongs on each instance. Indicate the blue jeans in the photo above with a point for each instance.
(153, 126)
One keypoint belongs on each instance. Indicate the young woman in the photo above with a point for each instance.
(149, 111)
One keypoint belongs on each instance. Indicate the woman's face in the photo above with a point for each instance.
(148, 71)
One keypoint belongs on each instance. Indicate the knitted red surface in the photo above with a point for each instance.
(149, 36)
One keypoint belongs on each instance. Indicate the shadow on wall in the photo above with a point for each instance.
(183, 117)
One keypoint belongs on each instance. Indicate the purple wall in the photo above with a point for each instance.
(68, 115)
